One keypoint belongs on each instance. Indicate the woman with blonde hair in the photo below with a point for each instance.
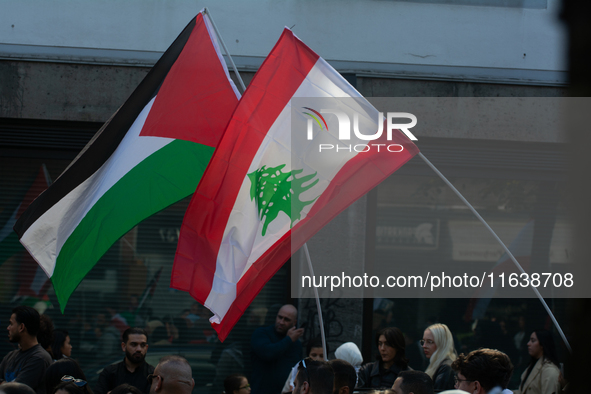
(438, 346)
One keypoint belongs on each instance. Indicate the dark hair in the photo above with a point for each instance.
(547, 343)
(232, 382)
(318, 374)
(316, 342)
(395, 339)
(16, 388)
(45, 334)
(344, 375)
(126, 389)
(132, 331)
(488, 366)
(159, 334)
(60, 368)
(29, 317)
(416, 382)
(70, 387)
(59, 338)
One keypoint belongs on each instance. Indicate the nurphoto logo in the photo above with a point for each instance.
(344, 130)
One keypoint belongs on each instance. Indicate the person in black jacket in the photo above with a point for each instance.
(391, 361)
(134, 369)
(438, 345)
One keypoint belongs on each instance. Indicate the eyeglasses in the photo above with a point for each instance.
(458, 380)
(152, 376)
(71, 379)
(428, 342)
(244, 387)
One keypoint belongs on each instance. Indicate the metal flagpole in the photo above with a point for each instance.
(320, 320)
(317, 304)
(501, 243)
(205, 10)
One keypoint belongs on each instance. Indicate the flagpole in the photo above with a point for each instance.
(320, 321)
(501, 243)
(206, 10)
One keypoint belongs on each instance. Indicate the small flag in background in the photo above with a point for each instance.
(150, 289)
(521, 249)
(9, 244)
(31, 278)
(262, 192)
(149, 155)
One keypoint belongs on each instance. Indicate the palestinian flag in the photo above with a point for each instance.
(149, 155)
(268, 189)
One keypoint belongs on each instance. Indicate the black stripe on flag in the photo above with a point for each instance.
(108, 138)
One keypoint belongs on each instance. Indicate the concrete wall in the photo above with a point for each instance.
(391, 32)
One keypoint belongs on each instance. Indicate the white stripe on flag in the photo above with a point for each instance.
(49, 233)
(243, 242)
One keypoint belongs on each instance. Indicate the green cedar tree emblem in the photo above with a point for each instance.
(275, 191)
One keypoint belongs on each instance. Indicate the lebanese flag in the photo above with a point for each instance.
(149, 155)
(267, 188)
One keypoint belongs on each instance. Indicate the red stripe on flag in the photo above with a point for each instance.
(358, 176)
(194, 102)
(37, 187)
(271, 89)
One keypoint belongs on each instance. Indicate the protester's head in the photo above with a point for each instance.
(61, 345)
(72, 385)
(236, 384)
(438, 345)
(392, 347)
(541, 344)
(16, 388)
(314, 377)
(345, 377)
(68, 388)
(314, 349)
(349, 352)
(173, 374)
(135, 344)
(482, 370)
(63, 367)
(24, 322)
(413, 382)
(286, 319)
(126, 389)
(45, 334)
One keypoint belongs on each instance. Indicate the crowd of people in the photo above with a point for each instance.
(43, 364)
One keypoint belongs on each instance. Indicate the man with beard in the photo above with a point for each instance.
(133, 369)
(275, 349)
(26, 364)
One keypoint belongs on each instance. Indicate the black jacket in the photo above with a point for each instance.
(443, 379)
(116, 374)
(372, 375)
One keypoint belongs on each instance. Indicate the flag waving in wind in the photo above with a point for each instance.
(149, 155)
(267, 188)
